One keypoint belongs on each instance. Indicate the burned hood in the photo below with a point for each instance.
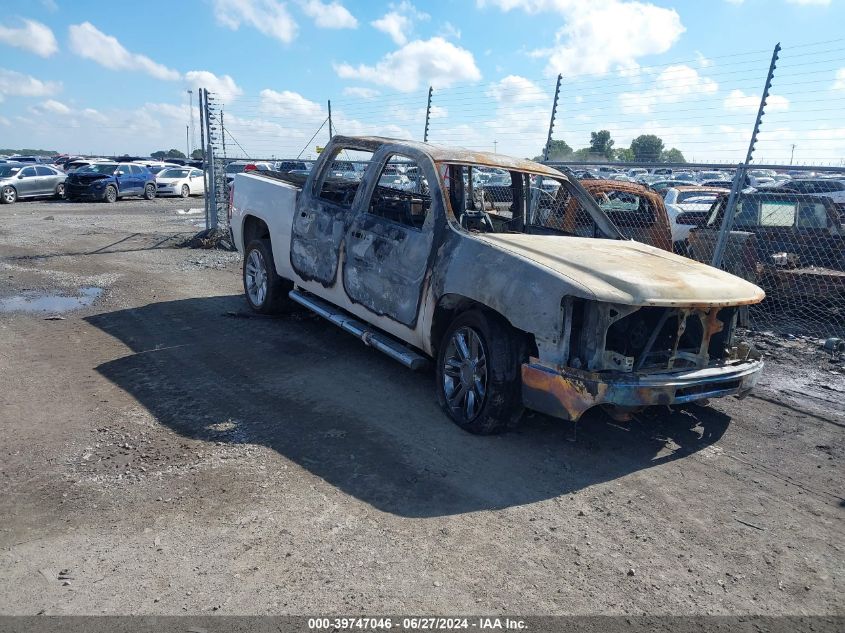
(629, 272)
(86, 178)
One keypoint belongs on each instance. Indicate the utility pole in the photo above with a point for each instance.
(331, 131)
(552, 120)
(495, 144)
(792, 153)
(222, 132)
(427, 116)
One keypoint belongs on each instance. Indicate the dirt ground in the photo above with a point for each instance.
(163, 453)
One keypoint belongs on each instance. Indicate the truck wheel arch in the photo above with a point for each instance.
(449, 306)
(254, 228)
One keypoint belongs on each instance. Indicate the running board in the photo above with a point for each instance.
(382, 342)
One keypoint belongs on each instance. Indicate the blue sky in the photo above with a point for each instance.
(90, 76)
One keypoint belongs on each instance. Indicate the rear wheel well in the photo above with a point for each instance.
(451, 305)
(254, 229)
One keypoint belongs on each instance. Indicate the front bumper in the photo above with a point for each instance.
(84, 192)
(567, 393)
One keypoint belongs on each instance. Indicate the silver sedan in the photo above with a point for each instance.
(30, 181)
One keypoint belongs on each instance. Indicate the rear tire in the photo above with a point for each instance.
(186, 191)
(479, 373)
(265, 291)
(111, 194)
(149, 192)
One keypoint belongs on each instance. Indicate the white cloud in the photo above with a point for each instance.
(434, 61)
(450, 31)
(598, 36)
(673, 84)
(839, 82)
(399, 21)
(289, 105)
(270, 17)
(15, 84)
(32, 36)
(224, 88)
(56, 107)
(361, 93)
(737, 100)
(329, 15)
(516, 89)
(89, 42)
(703, 62)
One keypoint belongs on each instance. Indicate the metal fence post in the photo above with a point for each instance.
(427, 115)
(739, 178)
(552, 120)
(331, 130)
(201, 105)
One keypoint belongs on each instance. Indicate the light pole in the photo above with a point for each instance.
(792, 153)
(495, 144)
(187, 142)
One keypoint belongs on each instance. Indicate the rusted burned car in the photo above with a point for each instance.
(516, 307)
(793, 245)
(636, 210)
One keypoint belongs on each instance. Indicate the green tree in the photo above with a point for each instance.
(647, 148)
(558, 150)
(196, 154)
(170, 153)
(601, 144)
(673, 156)
(624, 153)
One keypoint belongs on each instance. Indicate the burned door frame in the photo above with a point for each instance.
(385, 262)
(320, 225)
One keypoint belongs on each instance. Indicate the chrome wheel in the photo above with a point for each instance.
(60, 191)
(111, 194)
(255, 277)
(9, 195)
(185, 191)
(465, 373)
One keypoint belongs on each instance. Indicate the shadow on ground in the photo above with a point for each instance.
(358, 420)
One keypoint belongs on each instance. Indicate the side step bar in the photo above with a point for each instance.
(379, 341)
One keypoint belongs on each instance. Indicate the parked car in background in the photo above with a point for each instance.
(110, 181)
(718, 183)
(793, 245)
(180, 181)
(22, 180)
(293, 165)
(25, 159)
(156, 166)
(240, 166)
(662, 186)
(827, 187)
(688, 207)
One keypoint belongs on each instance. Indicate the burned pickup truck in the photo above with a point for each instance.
(517, 307)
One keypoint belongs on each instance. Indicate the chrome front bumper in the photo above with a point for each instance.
(567, 393)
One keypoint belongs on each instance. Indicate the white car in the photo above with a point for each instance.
(180, 181)
(688, 207)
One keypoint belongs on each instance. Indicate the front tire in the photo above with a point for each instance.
(479, 365)
(186, 191)
(149, 192)
(9, 195)
(60, 191)
(111, 194)
(265, 291)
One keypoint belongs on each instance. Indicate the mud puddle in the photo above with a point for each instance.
(40, 302)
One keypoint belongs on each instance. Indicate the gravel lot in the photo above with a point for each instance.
(164, 453)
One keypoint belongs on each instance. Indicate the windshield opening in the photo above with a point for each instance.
(174, 173)
(104, 168)
(489, 200)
